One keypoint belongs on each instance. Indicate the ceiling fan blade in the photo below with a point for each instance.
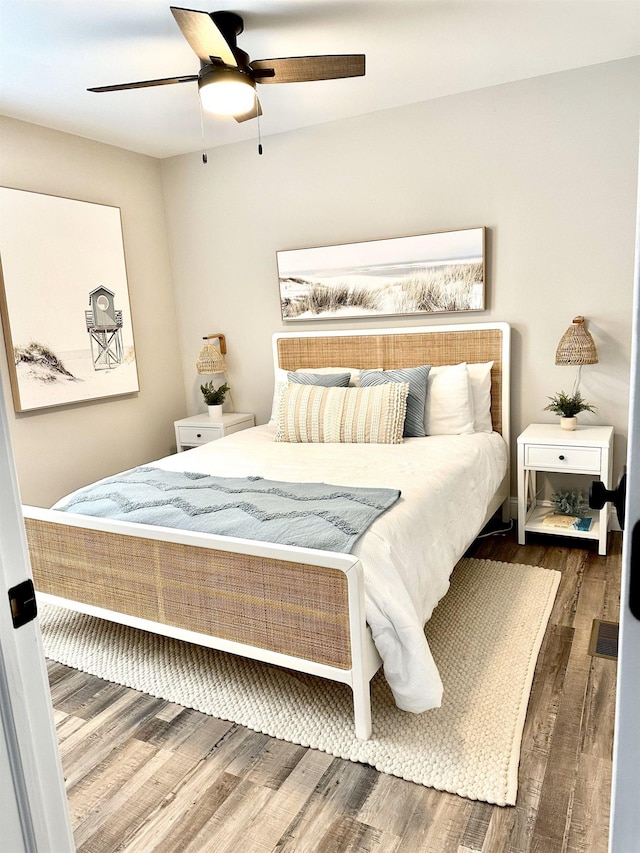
(254, 112)
(143, 84)
(300, 69)
(204, 37)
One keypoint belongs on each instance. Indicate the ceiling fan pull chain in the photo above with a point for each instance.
(204, 153)
(259, 134)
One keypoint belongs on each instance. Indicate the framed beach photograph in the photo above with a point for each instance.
(427, 274)
(64, 300)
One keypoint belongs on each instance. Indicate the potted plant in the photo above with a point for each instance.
(568, 406)
(214, 398)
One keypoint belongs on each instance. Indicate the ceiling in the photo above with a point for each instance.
(52, 50)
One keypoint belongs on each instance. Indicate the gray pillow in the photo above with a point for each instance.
(327, 380)
(416, 377)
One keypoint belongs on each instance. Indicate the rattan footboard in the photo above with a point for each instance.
(287, 607)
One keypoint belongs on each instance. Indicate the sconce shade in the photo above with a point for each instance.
(576, 345)
(210, 360)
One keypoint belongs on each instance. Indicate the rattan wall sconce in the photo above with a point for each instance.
(210, 360)
(576, 348)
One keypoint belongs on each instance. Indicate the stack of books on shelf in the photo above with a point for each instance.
(567, 522)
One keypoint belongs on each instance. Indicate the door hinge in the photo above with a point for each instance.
(22, 599)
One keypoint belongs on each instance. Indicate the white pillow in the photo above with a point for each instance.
(278, 385)
(480, 376)
(449, 405)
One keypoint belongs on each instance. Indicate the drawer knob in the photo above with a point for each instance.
(561, 456)
(199, 435)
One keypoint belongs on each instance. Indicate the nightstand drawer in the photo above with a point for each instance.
(557, 458)
(193, 436)
(200, 429)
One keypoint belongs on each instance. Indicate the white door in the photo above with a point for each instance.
(625, 805)
(34, 815)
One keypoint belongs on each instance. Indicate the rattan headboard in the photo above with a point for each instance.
(407, 347)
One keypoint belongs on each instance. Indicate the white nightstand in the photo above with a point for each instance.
(547, 447)
(199, 429)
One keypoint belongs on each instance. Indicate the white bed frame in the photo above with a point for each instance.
(50, 568)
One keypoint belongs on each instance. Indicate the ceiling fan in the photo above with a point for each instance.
(227, 77)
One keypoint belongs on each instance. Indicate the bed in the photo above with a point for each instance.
(335, 615)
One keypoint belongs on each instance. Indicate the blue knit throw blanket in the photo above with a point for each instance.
(309, 515)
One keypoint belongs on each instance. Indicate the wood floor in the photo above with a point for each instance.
(146, 775)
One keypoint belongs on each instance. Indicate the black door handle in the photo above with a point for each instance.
(599, 495)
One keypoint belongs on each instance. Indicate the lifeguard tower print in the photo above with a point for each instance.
(64, 301)
(104, 325)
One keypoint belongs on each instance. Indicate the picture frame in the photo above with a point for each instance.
(64, 301)
(435, 273)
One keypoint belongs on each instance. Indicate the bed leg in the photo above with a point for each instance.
(506, 512)
(362, 710)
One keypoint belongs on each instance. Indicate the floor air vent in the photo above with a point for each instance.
(604, 640)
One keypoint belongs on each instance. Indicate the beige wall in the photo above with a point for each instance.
(59, 449)
(549, 165)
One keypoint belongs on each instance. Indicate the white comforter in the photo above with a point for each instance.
(409, 552)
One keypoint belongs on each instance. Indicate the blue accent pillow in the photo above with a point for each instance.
(416, 377)
(327, 380)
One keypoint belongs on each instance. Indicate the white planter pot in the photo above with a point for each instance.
(215, 412)
(568, 423)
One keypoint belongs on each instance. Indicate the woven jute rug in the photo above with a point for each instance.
(485, 636)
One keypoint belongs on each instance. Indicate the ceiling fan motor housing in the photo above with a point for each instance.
(229, 24)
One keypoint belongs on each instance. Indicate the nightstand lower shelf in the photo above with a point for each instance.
(534, 524)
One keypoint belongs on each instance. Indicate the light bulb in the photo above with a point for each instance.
(226, 91)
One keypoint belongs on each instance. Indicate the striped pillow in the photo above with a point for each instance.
(416, 377)
(310, 413)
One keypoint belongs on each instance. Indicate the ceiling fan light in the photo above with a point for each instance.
(226, 91)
